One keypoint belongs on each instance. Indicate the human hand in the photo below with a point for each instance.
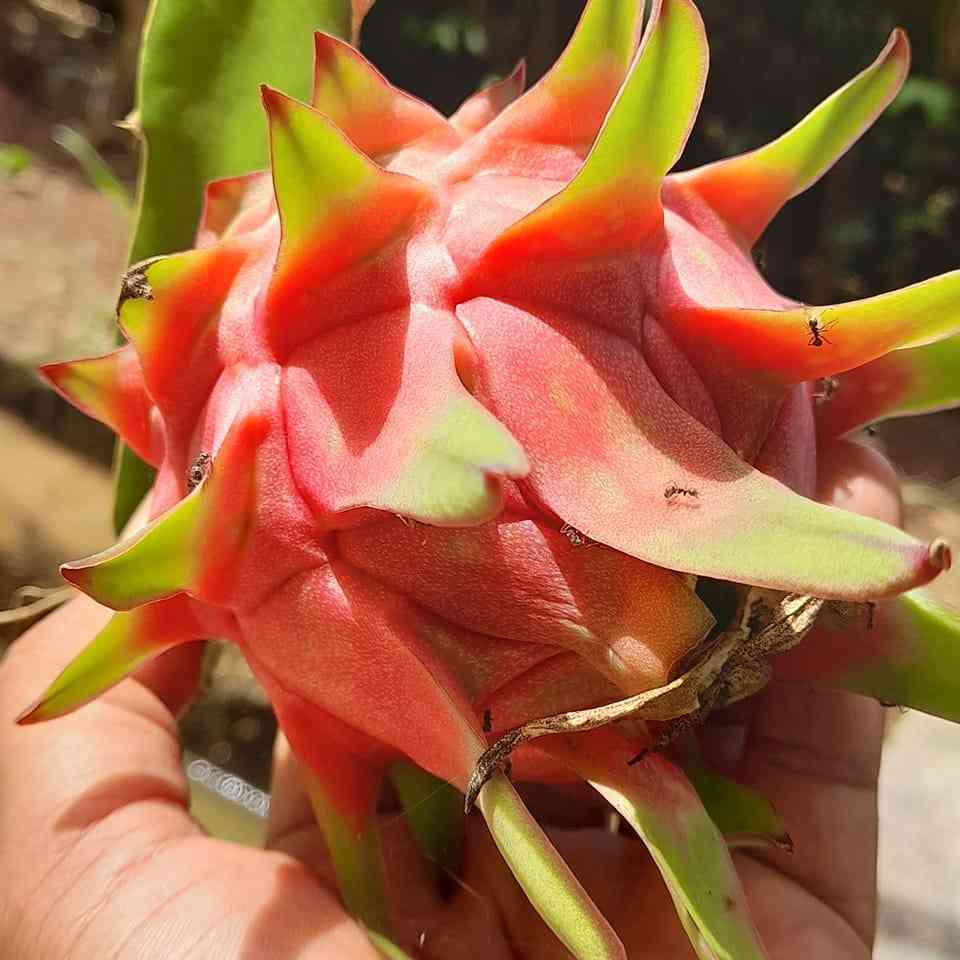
(100, 858)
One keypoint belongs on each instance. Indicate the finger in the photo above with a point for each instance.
(794, 924)
(857, 477)
(128, 730)
(488, 914)
(566, 805)
(99, 854)
(815, 754)
(209, 898)
(491, 913)
(291, 824)
(290, 808)
(413, 891)
(185, 898)
(72, 787)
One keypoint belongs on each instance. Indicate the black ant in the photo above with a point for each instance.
(199, 471)
(672, 492)
(817, 330)
(487, 721)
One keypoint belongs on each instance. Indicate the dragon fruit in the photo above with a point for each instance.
(462, 426)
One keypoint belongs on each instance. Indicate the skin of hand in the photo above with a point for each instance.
(101, 861)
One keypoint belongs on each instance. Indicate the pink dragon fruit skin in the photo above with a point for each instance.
(451, 414)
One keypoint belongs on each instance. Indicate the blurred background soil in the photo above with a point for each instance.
(888, 215)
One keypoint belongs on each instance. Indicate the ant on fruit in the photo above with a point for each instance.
(816, 330)
(199, 471)
(673, 491)
(487, 721)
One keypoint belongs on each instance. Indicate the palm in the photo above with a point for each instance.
(101, 859)
(108, 863)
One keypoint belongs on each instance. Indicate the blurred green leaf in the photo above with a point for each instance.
(447, 33)
(95, 168)
(434, 811)
(14, 159)
(386, 948)
(849, 234)
(200, 118)
(133, 478)
(199, 103)
(936, 98)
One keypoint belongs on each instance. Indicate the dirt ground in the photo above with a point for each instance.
(62, 247)
(61, 250)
